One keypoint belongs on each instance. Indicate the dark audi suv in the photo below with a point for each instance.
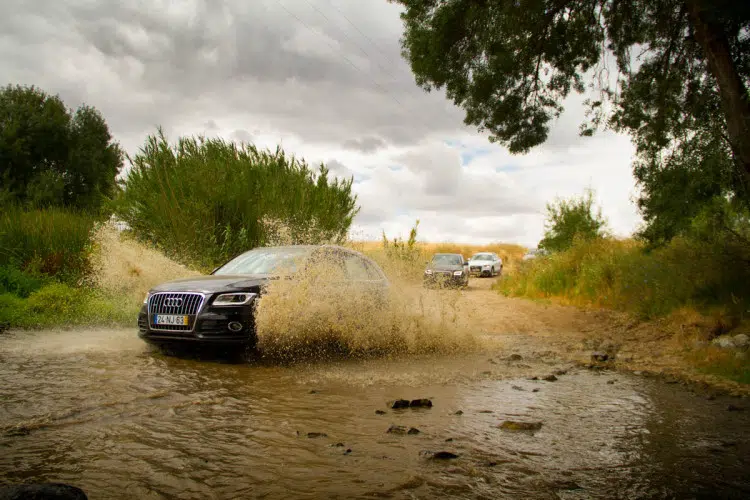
(447, 269)
(219, 308)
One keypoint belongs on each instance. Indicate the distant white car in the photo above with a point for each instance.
(485, 264)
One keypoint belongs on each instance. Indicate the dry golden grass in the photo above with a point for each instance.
(511, 254)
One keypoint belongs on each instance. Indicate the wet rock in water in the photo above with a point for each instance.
(401, 430)
(337, 445)
(400, 403)
(566, 485)
(459, 412)
(379, 412)
(421, 403)
(517, 388)
(348, 451)
(561, 372)
(19, 430)
(741, 340)
(610, 382)
(444, 455)
(485, 411)
(515, 357)
(732, 407)
(313, 391)
(512, 425)
(41, 491)
(449, 440)
(550, 378)
(599, 357)
(533, 378)
(534, 390)
(313, 435)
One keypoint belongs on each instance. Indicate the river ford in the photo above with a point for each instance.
(100, 410)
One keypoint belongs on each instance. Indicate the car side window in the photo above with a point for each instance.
(356, 268)
(335, 266)
(372, 271)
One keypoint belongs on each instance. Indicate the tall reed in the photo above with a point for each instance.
(204, 201)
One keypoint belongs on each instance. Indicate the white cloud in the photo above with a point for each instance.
(327, 82)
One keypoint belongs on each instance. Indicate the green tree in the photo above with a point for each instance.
(681, 89)
(571, 219)
(51, 156)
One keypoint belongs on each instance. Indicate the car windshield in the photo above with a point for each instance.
(447, 259)
(482, 256)
(266, 261)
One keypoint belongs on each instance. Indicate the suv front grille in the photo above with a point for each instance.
(175, 303)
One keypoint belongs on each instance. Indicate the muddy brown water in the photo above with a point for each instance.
(103, 411)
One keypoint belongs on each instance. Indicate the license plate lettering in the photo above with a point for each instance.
(171, 320)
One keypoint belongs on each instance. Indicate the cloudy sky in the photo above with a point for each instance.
(325, 79)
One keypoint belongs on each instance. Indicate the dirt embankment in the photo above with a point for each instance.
(655, 348)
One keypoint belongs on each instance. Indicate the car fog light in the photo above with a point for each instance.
(235, 326)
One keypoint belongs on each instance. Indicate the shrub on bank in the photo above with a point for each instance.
(620, 274)
(203, 201)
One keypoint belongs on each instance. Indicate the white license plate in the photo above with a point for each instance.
(171, 319)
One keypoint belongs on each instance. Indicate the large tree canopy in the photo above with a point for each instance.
(681, 90)
(52, 156)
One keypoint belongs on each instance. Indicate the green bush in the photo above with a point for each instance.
(203, 201)
(622, 275)
(52, 242)
(17, 282)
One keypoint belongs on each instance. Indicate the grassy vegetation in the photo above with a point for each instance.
(56, 304)
(45, 266)
(46, 242)
(620, 274)
(203, 201)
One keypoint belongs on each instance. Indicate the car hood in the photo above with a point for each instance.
(480, 262)
(443, 267)
(214, 283)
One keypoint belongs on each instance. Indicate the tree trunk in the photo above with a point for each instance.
(734, 96)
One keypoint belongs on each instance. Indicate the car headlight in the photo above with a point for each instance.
(145, 299)
(457, 273)
(428, 271)
(234, 299)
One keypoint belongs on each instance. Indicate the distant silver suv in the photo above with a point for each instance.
(485, 264)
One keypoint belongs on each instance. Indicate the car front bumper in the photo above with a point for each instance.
(207, 327)
(443, 279)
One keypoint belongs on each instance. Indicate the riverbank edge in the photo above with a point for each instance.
(665, 348)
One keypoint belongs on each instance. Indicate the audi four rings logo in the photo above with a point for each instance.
(173, 302)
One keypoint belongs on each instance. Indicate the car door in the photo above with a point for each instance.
(364, 279)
